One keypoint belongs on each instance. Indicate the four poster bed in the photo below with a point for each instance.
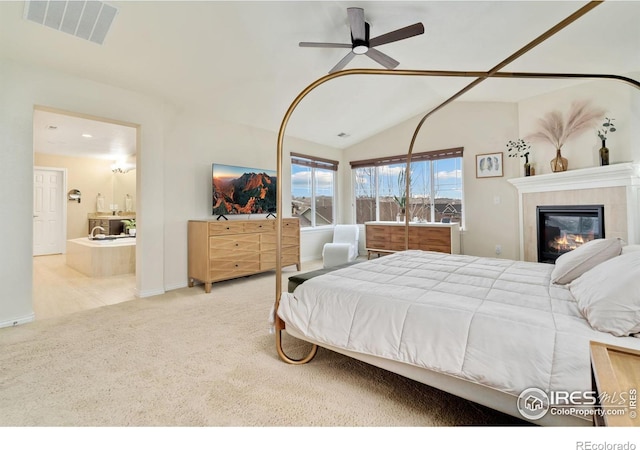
(484, 329)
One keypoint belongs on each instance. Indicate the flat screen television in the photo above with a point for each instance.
(243, 190)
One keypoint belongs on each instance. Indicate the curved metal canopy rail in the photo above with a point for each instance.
(479, 77)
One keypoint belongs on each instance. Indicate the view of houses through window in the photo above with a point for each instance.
(435, 188)
(313, 190)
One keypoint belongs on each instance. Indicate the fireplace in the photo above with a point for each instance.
(564, 228)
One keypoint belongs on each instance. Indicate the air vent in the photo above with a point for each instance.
(89, 20)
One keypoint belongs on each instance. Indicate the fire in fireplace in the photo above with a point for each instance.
(564, 228)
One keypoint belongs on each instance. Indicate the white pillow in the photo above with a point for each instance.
(630, 248)
(608, 295)
(571, 265)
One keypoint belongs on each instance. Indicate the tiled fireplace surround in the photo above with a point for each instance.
(617, 187)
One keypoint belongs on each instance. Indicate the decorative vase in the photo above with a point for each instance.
(604, 154)
(559, 163)
(527, 166)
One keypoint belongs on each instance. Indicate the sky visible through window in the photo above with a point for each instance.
(447, 173)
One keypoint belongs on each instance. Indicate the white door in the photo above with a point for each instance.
(48, 234)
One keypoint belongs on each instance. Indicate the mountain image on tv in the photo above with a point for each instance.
(242, 190)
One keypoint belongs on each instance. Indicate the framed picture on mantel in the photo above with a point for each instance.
(489, 165)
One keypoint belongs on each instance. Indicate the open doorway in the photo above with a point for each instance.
(85, 177)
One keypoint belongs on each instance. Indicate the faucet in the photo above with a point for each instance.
(94, 229)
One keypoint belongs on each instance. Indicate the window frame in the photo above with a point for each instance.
(315, 163)
(431, 156)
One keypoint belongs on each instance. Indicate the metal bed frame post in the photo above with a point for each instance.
(479, 75)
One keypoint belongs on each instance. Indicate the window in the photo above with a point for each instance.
(435, 187)
(313, 190)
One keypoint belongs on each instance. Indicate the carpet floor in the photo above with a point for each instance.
(187, 358)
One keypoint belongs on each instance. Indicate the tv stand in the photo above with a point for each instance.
(225, 250)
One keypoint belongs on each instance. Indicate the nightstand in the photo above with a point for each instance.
(615, 373)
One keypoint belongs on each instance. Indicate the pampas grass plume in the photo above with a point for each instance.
(556, 129)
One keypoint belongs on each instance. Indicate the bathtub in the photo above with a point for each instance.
(102, 258)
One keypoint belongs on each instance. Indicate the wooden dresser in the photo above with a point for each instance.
(388, 237)
(235, 248)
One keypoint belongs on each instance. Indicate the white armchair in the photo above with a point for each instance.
(344, 247)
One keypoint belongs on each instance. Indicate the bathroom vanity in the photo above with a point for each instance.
(112, 224)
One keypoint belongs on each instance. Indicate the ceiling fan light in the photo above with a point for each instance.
(360, 49)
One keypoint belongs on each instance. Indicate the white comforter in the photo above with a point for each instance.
(497, 322)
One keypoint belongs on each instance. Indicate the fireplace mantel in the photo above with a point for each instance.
(623, 174)
(622, 178)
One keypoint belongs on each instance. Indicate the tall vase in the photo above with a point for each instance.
(559, 163)
(604, 154)
(527, 166)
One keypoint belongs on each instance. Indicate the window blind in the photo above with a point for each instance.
(314, 161)
(399, 159)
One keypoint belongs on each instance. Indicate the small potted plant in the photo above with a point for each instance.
(130, 226)
(520, 149)
(401, 200)
(607, 127)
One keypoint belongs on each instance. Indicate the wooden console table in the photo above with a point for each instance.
(615, 373)
(389, 237)
(236, 248)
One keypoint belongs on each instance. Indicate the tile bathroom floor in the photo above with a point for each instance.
(60, 290)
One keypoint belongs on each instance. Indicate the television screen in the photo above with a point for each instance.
(242, 190)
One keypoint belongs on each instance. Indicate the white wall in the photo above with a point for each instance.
(173, 176)
(21, 88)
(614, 97)
(193, 141)
(479, 128)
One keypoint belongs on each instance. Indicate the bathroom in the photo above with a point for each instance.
(94, 164)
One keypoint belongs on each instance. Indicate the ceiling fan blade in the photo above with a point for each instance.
(343, 62)
(397, 35)
(324, 45)
(356, 21)
(381, 58)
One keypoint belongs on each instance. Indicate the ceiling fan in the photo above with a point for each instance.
(362, 45)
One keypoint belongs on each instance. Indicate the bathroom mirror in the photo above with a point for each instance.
(124, 191)
(74, 195)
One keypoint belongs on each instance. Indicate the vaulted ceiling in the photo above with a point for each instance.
(241, 61)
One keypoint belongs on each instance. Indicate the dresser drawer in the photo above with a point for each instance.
(238, 255)
(224, 270)
(288, 256)
(227, 227)
(290, 227)
(223, 244)
(377, 233)
(259, 226)
(268, 241)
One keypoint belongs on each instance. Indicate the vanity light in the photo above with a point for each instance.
(121, 167)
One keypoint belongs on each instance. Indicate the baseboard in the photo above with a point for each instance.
(18, 321)
(149, 293)
(175, 286)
